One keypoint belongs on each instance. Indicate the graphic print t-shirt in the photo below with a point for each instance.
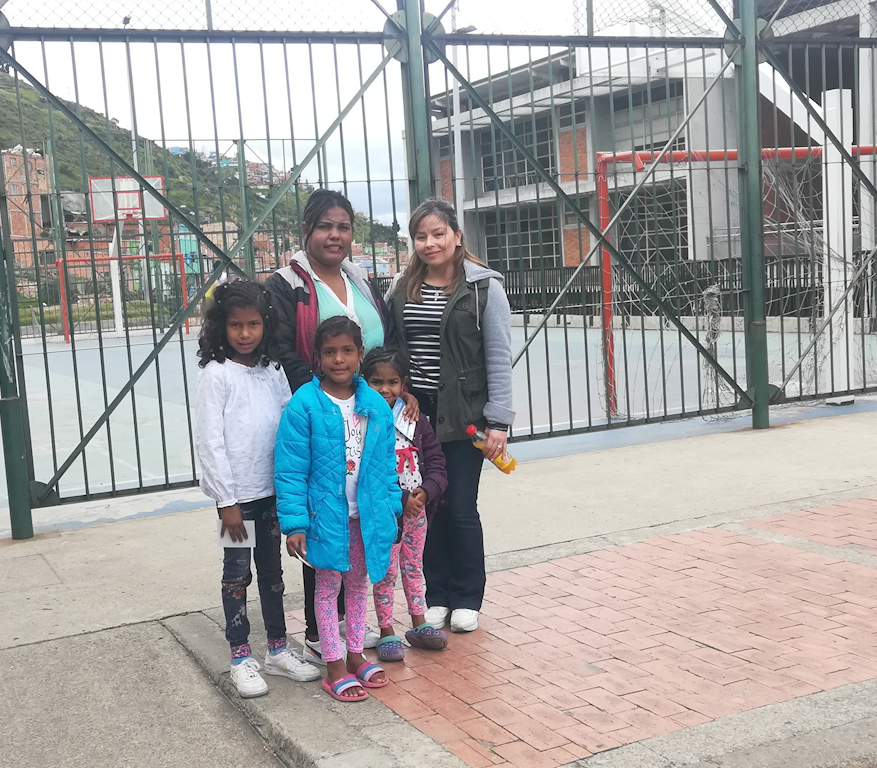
(407, 463)
(354, 432)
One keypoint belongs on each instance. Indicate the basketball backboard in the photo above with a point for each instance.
(132, 204)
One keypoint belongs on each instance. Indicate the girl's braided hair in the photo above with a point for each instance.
(238, 294)
(384, 356)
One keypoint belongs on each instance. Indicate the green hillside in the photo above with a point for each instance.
(188, 179)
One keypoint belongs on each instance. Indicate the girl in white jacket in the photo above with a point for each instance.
(241, 396)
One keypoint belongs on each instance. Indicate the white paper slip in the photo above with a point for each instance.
(247, 543)
(304, 560)
(402, 424)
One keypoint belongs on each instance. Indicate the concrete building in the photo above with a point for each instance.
(578, 110)
(22, 170)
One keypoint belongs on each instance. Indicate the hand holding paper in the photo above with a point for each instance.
(247, 540)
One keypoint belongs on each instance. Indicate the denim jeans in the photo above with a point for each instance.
(453, 557)
(237, 576)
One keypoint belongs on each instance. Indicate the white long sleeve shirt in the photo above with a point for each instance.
(237, 414)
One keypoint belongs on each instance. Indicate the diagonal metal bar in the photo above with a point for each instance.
(856, 170)
(385, 12)
(438, 18)
(181, 316)
(727, 20)
(429, 30)
(767, 30)
(592, 228)
(90, 134)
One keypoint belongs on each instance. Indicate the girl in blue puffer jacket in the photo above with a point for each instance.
(338, 498)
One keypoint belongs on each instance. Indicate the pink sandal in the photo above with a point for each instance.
(366, 672)
(344, 684)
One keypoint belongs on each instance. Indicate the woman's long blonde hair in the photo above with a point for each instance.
(415, 272)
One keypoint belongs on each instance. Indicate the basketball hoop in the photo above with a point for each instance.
(122, 198)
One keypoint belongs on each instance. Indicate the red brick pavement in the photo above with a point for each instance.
(852, 524)
(586, 653)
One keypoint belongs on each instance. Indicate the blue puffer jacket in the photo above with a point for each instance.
(310, 471)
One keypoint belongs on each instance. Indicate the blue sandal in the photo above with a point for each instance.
(428, 637)
(391, 649)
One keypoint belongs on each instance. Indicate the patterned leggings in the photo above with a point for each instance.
(328, 584)
(409, 555)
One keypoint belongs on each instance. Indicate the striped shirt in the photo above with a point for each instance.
(422, 323)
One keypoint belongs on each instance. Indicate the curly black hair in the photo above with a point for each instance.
(318, 203)
(238, 294)
(384, 356)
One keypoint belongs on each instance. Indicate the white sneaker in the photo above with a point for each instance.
(247, 680)
(464, 620)
(289, 663)
(312, 652)
(371, 640)
(437, 616)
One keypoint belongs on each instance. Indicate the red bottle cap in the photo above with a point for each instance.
(471, 430)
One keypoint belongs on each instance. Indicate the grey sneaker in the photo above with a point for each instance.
(289, 663)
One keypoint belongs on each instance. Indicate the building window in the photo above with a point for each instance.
(47, 258)
(565, 117)
(523, 238)
(444, 147)
(645, 119)
(653, 229)
(503, 167)
(13, 161)
(14, 190)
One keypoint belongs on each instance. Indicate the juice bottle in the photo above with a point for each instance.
(504, 462)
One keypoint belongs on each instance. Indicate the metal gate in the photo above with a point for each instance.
(662, 257)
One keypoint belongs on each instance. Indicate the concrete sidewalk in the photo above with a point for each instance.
(67, 595)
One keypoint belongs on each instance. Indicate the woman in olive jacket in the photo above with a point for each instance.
(450, 316)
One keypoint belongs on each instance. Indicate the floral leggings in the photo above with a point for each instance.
(409, 555)
(328, 584)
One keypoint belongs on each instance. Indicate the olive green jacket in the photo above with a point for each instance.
(475, 378)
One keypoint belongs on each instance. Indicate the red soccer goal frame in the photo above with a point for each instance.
(639, 160)
(62, 274)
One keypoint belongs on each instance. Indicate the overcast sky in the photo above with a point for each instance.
(258, 108)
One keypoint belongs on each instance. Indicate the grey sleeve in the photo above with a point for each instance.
(496, 325)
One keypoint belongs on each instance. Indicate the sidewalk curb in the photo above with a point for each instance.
(831, 729)
(302, 725)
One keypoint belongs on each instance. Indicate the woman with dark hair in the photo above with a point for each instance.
(450, 316)
(321, 282)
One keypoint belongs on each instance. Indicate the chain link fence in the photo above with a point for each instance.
(629, 18)
(220, 15)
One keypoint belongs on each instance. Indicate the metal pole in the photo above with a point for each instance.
(458, 174)
(751, 214)
(209, 11)
(417, 127)
(11, 409)
(249, 254)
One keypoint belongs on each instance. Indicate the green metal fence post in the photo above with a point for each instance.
(751, 214)
(417, 116)
(12, 422)
(249, 253)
